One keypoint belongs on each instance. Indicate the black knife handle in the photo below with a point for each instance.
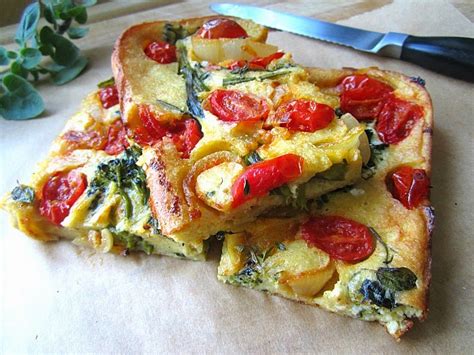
(453, 56)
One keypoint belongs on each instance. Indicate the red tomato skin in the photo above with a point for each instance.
(235, 106)
(409, 186)
(185, 134)
(93, 139)
(221, 28)
(396, 120)
(59, 193)
(304, 115)
(342, 238)
(264, 176)
(161, 52)
(362, 96)
(116, 138)
(258, 63)
(109, 96)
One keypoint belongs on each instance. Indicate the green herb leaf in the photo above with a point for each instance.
(29, 20)
(252, 158)
(23, 193)
(31, 57)
(66, 74)
(396, 279)
(77, 32)
(170, 107)
(374, 292)
(65, 52)
(173, 33)
(20, 99)
(106, 83)
(4, 60)
(388, 257)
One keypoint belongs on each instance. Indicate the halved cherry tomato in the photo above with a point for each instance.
(396, 120)
(59, 193)
(185, 134)
(363, 96)
(304, 115)
(109, 96)
(342, 238)
(258, 63)
(161, 52)
(235, 106)
(409, 186)
(116, 138)
(92, 139)
(259, 178)
(221, 28)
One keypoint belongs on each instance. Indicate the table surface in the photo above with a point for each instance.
(59, 298)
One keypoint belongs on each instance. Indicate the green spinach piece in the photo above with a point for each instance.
(133, 242)
(125, 173)
(174, 32)
(396, 279)
(374, 292)
(377, 150)
(106, 83)
(23, 193)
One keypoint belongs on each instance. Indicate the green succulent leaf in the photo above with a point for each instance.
(65, 52)
(12, 54)
(31, 57)
(29, 20)
(66, 74)
(18, 69)
(20, 100)
(80, 14)
(86, 3)
(397, 278)
(4, 60)
(77, 32)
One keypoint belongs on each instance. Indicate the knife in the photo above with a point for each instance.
(453, 56)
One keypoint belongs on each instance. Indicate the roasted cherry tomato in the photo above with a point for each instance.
(109, 96)
(116, 138)
(185, 134)
(262, 177)
(93, 139)
(235, 106)
(396, 120)
(221, 28)
(59, 193)
(161, 52)
(304, 115)
(258, 63)
(342, 238)
(362, 96)
(409, 186)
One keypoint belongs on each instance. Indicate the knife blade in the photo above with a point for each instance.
(453, 56)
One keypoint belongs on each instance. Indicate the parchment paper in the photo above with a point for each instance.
(59, 298)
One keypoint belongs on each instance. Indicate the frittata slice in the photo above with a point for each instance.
(91, 189)
(363, 251)
(230, 126)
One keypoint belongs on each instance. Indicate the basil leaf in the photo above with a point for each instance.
(77, 32)
(23, 193)
(65, 52)
(20, 101)
(29, 20)
(4, 60)
(106, 83)
(396, 279)
(66, 74)
(31, 57)
(374, 292)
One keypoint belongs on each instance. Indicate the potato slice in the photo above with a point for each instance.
(303, 268)
(232, 259)
(214, 185)
(219, 50)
